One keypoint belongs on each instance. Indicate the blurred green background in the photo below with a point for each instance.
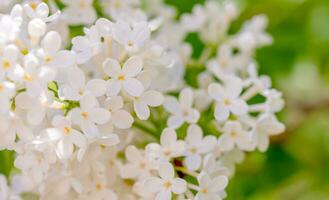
(296, 166)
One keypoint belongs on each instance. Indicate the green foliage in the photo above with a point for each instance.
(6, 162)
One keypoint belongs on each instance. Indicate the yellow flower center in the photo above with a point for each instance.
(83, 4)
(227, 102)
(99, 187)
(193, 150)
(121, 77)
(27, 77)
(167, 184)
(33, 5)
(6, 64)
(142, 165)
(167, 152)
(48, 59)
(130, 44)
(234, 134)
(85, 115)
(204, 191)
(67, 130)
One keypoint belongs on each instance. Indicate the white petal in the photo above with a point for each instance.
(166, 171)
(263, 142)
(152, 98)
(52, 42)
(171, 105)
(129, 171)
(24, 132)
(133, 66)
(78, 138)
(194, 134)
(204, 179)
(193, 162)
(133, 87)
(193, 116)
(97, 87)
(53, 134)
(216, 91)
(114, 103)
(5, 105)
(63, 59)
(88, 102)
(78, 80)
(100, 115)
(42, 10)
(25, 101)
(221, 112)
(153, 184)
(142, 110)
(225, 143)
(109, 140)
(218, 184)
(35, 116)
(186, 98)
(133, 154)
(163, 195)
(141, 33)
(114, 87)
(90, 129)
(122, 119)
(175, 121)
(112, 67)
(179, 186)
(239, 107)
(122, 32)
(208, 143)
(64, 149)
(168, 137)
(233, 86)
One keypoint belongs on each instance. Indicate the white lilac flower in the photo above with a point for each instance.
(120, 118)
(88, 115)
(75, 117)
(210, 187)
(8, 60)
(65, 137)
(52, 55)
(168, 148)
(142, 102)
(139, 166)
(7, 91)
(266, 126)
(79, 12)
(235, 136)
(131, 37)
(166, 184)
(181, 109)
(76, 87)
(196, 146)
(124, 78)
(227, 98)
(11, 126)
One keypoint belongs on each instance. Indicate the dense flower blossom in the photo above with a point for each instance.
(114, 115)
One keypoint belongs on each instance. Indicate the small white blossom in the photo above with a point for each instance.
(89, 115)
(181, 110)
(196, 146)
(125, 77)
(210, 187)
(166, 184)
(227, 98)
